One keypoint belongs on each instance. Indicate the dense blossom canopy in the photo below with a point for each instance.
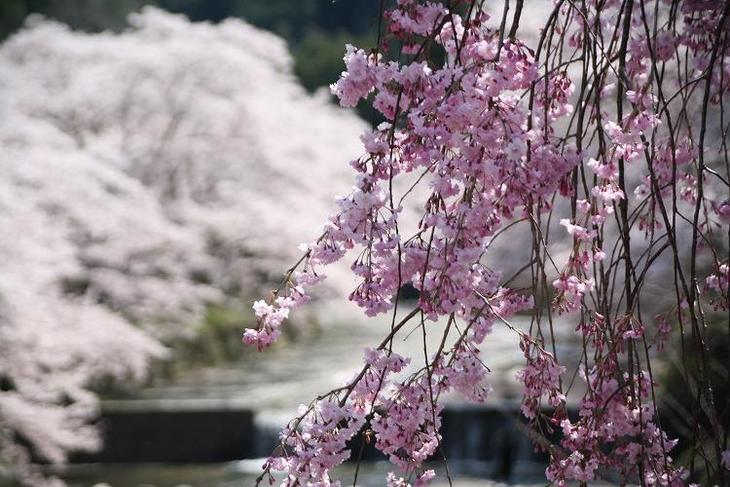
(136, 172)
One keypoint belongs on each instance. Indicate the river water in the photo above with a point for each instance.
(329, 354)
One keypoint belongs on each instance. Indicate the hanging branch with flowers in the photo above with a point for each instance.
(607, 134)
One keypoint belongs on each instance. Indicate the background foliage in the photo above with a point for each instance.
(315, 30)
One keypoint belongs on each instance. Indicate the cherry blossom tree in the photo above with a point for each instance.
(604, 137)
(136, 170)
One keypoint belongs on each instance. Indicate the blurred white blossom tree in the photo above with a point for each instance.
(141, 176)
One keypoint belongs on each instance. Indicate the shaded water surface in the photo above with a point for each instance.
(243, 474)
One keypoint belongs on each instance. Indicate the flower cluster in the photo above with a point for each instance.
(406, 428)
(421, 481)
(541, 377)
(366, 390)
(270, 316)
(616, 426)
(315, 443)
(466, 374)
